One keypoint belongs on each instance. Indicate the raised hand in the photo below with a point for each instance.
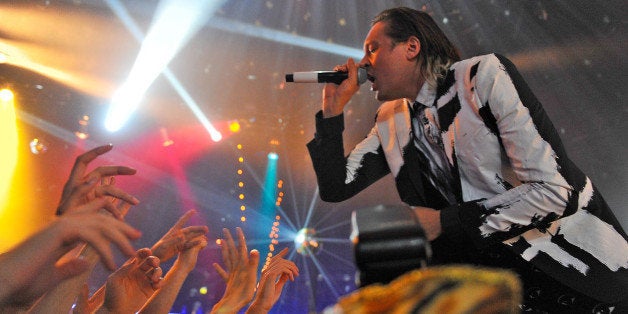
(163, 299)
(82, 188)
(33, 267)
(178, 239)
(129, 287)
(240, 276)
(274, 277)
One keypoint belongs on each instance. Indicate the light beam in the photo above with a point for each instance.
(174, 24)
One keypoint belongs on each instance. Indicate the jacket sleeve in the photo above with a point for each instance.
(549, 186)
(340, 178)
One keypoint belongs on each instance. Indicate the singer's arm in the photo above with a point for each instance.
(340, 178)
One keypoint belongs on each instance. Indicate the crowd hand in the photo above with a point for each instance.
(188, 256)
(84, 304)
(240, 276)
(33, 267)
(82, 188)
(274, 277)
(128, 288)
(163, 299)
(178, 239)
(335, 97)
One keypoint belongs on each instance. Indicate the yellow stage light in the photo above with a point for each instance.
(234, 127)
(8, 142)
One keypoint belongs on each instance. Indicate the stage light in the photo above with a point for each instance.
(37, 146)
(273, 156)
(6, 95)
(202, 290)
(83, 132)
(166, 140)
(234, 126)
(173, 25)
(306, 242)
(3, 57)
(8, 142)
(257, 31)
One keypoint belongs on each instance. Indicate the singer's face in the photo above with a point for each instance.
(389, 70)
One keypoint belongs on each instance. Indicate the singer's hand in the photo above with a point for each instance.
(335, 97)
(430, 221)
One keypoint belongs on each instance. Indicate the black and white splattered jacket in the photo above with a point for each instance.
(516, 184)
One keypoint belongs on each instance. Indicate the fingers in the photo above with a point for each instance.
(99, 231)
(113, 191)
(221, 272)
(242, 248)
(154, 274)
(254, 258)
(228, 250)
(282, 253)
(81, 162)
(280, 266)
(194, 231)
(150, 265)
(81, 188)
(143, 253)
(108, 171)
(184, 219)
(74, 196)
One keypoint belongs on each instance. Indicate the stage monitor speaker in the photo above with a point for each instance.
(388, 241)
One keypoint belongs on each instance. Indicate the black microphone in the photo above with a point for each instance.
(324, 77)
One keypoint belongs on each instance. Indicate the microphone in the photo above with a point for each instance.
(324, 77)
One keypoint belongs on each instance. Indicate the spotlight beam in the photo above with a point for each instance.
(333, 240)
(197, 13)
(340, 258)
(311, 209)
(332, 226)
(292, 192)
(325, 217)
(308, 275)
(324, 274)
(283, 37)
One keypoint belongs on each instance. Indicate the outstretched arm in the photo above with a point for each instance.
(32, 268)
(240, 276)
(161, 301)
(178, 238)
(274, 277)
(80, 189)
(128, 288)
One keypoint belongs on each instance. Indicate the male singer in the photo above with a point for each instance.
(475, 155)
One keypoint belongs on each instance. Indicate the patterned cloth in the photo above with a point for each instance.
(451, 289)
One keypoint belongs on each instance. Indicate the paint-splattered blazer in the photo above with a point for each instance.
(516, 186)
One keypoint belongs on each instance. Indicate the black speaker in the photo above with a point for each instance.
(388, 241)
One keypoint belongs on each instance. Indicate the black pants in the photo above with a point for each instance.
(541, 292)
